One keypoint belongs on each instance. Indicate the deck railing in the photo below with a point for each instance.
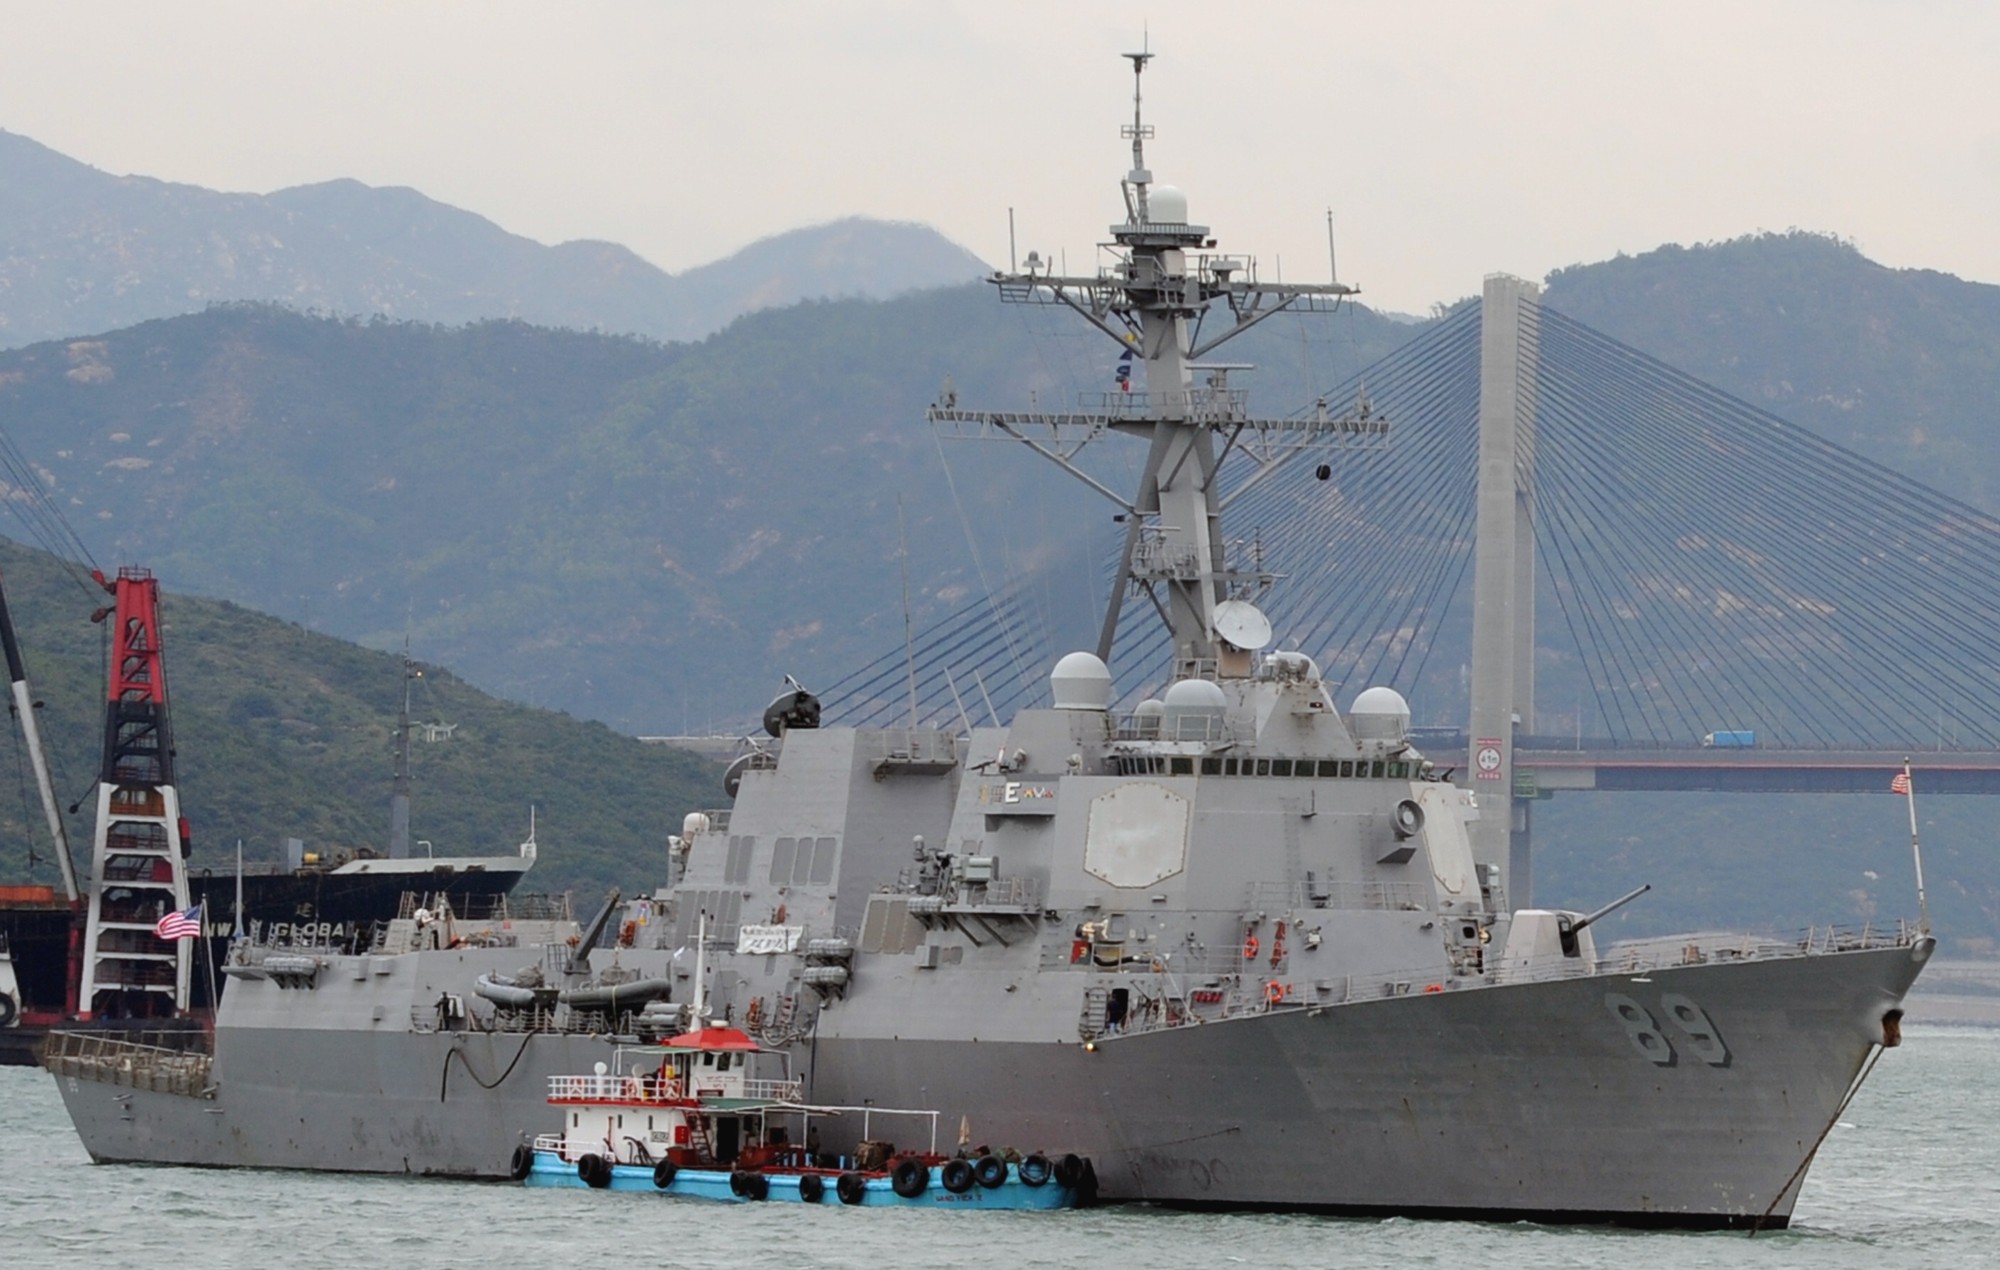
(116, 1061)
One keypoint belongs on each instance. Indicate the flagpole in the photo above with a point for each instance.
(1916, 850)
(208, 955)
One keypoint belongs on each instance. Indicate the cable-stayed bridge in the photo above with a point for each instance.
(1584, 568)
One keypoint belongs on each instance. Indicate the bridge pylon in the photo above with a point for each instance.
(1503, 614)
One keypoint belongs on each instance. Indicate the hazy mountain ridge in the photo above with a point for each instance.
(1900, 365)
(84, 251)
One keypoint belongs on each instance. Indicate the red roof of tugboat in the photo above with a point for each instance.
(712, 1038)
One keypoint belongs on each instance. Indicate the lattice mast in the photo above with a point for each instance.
(1152, 300)
(138, 857)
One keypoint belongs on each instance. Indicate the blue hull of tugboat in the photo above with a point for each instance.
(1013, 1195)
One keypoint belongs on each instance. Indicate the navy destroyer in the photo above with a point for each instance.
(1234, 945)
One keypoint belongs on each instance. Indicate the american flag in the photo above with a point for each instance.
(182, 925)
(1901, 785)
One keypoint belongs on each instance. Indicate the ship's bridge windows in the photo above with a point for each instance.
(1346, 769)
(1327, 767)
(1377, 769)
(1229, 767)
(1281, 767)
(1211, 767)
(1180, 766)
(1399, 771)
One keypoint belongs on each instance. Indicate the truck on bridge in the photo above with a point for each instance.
(1730, 740)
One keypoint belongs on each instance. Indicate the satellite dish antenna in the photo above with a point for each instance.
(1242, 624)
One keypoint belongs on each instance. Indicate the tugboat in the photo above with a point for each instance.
(699, 1116)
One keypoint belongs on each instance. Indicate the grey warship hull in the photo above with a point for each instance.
(1541, 1107)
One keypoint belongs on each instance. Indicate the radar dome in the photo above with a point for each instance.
(1189, 701)
(1081, 681)
(1380, 714)
(1166, 205)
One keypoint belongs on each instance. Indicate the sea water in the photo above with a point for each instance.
(1909, 1177)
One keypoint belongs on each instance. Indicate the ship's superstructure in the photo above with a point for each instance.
(1232, 943)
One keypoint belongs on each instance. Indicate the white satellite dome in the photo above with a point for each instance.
(1081, 681)
(1166, 205)
(1380, 714)
(1188, 701)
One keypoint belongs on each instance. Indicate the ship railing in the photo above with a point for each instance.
(718, 821)
(132, 1064)
(1179, 988)
(320, 937)
(1271, 901)
(917, 751)
(1006, 893)
(1192, 729)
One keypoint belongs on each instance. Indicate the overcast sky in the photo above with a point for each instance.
(1450, 140)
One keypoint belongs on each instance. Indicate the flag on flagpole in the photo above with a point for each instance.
(182, 925)
(1901, 785)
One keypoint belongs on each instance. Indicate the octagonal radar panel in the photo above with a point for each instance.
(1242, 624)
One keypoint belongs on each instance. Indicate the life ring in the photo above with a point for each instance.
(910, 1179)
(1435, 987)
(1274, 992)
(521, 1165)
(745, 1184)
(595, 1171)
(1250, 947)
(663, 1174)
(1069, 1171)
(1034, 1170)
(956, 1176)
(991, 1171)
(812, 1188)
(852, 1188)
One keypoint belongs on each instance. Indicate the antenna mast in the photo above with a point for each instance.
(1153, 301)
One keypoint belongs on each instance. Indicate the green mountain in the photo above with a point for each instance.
(83, 250)
(280, 732)
(1900, 365)
(650, 535)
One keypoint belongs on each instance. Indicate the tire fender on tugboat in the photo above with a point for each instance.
(910, 1179)
(957, 1176)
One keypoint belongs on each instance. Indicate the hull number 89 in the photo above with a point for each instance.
(1687, 1029)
